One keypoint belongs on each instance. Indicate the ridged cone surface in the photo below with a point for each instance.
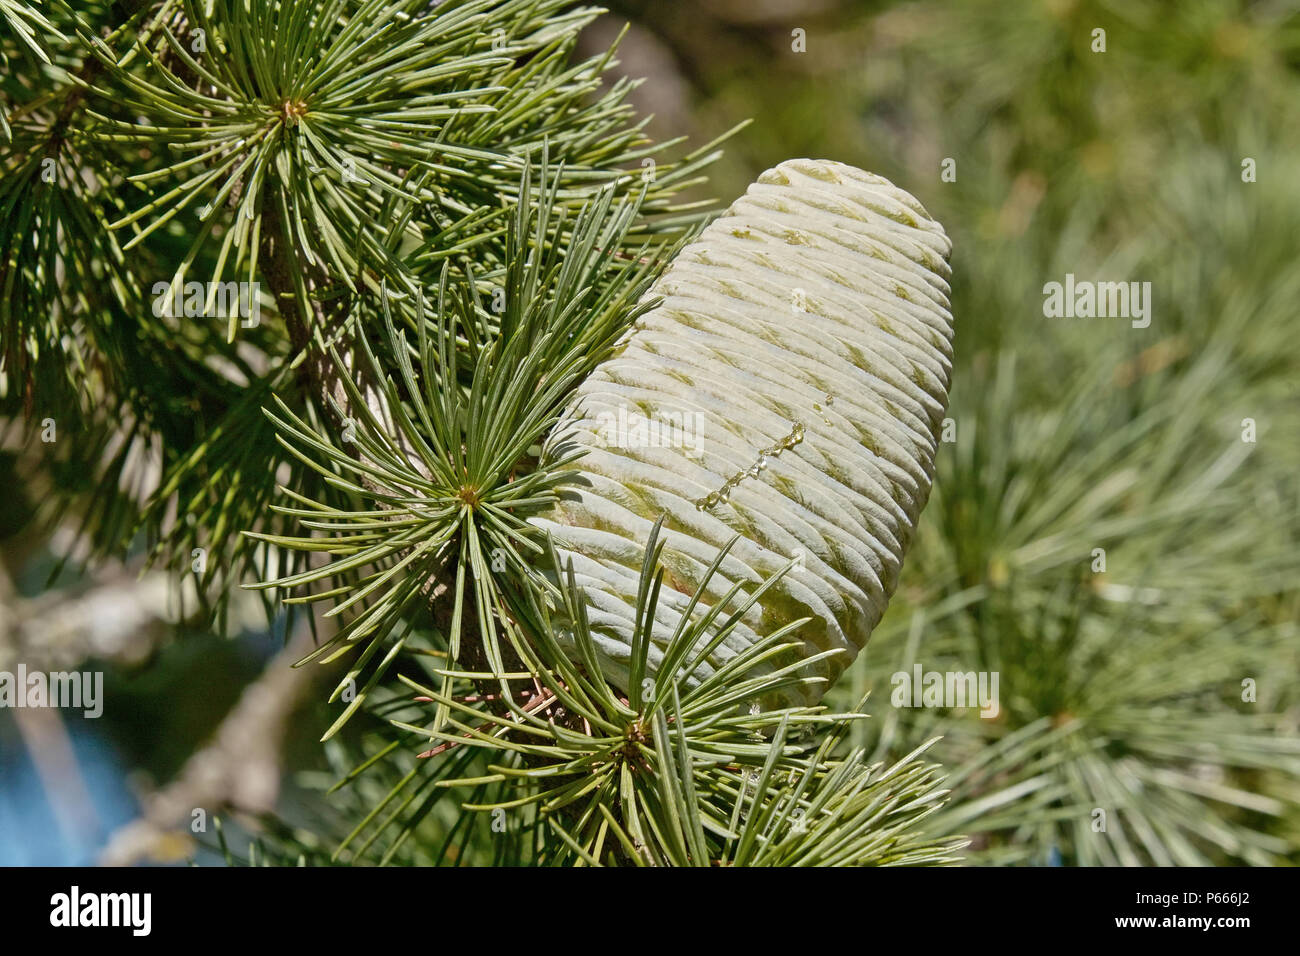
(812, 321)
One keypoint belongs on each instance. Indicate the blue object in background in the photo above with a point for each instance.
(30, 830)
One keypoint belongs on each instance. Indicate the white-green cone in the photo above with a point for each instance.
(789, 388)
